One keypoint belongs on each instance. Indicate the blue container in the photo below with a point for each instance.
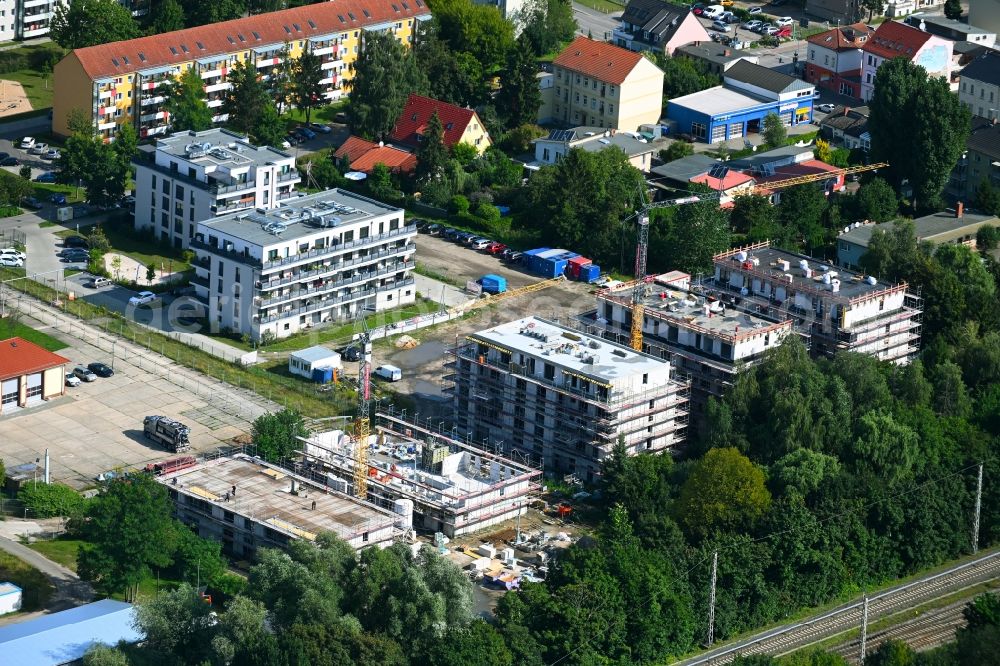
(322, 375)
(589, 273)
(493, 284)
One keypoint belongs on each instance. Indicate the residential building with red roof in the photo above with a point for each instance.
(898, 40)
(601, 85)
(363, 155)
(460, 125)
(29, 375)
(118, 83)
(833, 61)
(728, 183)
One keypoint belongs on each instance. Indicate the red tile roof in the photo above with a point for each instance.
(274, 28)
(19, 357)
(419, 109)
(731, 180)
(364, 155)
(598, 60)
(806, 168)
(843, 38)
(894, 40)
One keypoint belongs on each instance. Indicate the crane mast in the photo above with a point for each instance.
(362, 424)
(638, 311)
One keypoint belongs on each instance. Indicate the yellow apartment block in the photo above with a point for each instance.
(117, 83)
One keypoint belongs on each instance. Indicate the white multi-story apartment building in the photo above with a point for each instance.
(313, 259)
(979, 86)
(192, 176)
(553, 394)
(703, 332)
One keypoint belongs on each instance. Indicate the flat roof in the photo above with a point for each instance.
(299, 216)
(19, 357)
(852, 283)
(686, 309)
(943, 223)
(718, 100)
(65, 636)
(263, 494)
(314, 354)
(218, 147)
(686, 168)
(570, 349)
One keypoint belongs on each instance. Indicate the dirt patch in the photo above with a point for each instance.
(12, 98)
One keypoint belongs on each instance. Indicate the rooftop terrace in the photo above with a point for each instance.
(218, 147)
(263, 494)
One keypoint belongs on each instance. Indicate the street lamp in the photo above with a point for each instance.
(114, 344)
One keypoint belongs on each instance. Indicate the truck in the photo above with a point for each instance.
(167, 432)
(171, 465)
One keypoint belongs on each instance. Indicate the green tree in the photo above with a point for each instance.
(546, 24)
(150, 272)
(100, 654)
(197, 560)
(269, 128)
(691, 237)
(479, 643)
(987, 197)
(683, 76)
(453, 76)
(877, 201)
(887, 446)
(774, 133)
(800, 217)
(204, 13)
(46, 500)
(167, 16)
(385, 74)
(178, 623)
(90, 22)
(432, 156)
(275, 434)
(104, 168)
(753, 214)
(803, 471)
(953, 9)
(306, 77)
(724, 491)
(475, 29)
(518, 100)
(676, 150)
(24, 172)
(185, 102)
(950, 394)
(380, 184)
(127, 530)
(245, 99)
(464, 153)
(987, 238)
(925, 149)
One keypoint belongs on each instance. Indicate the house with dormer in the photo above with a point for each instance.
(655, 25)
(460, 125)
(898, 40)
(833, 60)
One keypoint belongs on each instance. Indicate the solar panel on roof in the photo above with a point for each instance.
(405, 6)
(298, 28)
(395, 7)
(718, 171)
(419, 3)
(242, 38)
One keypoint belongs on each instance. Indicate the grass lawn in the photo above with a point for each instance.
(37, 87)
(43, 192)
(606, 6)
(39, 93)
(35, 587)
(60, 550)
(320, 114)
(141, 249)
(10, 328)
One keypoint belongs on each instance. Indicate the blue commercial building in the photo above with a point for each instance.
(737, 108)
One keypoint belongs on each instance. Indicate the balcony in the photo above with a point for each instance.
(291, 174)
(329, 302)
(216, 87)
(339, 247)
(333, 268)
(159, 99)
(327, 287)
(222, 252)
(229, 208)
(218, 189)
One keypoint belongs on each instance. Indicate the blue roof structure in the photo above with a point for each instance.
(65, 636)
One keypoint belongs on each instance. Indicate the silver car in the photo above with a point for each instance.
(84, 373)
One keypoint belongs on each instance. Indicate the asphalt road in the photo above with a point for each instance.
(788, 638)
(595, 23)
(70, 590)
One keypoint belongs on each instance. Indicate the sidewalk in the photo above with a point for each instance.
(69, 592)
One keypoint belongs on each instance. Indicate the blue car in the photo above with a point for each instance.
(47, 177)
(58, 199)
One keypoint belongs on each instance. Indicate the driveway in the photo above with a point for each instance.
(70, 591)
(595, 22)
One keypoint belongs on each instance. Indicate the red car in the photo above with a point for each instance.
(495, 248)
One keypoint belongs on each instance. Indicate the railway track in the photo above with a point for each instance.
(927, 630)
(790, 637)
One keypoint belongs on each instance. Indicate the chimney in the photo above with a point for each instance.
(727, 53)
(847, 110)
(959, 209)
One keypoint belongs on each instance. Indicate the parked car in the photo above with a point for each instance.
(31, 202)
(720, 25)
(72, 380)
(142, 298)
(10, 161)
(10, 261)
(99, 282)
(76, 241)
(101, 369)
(770, 31)
(480, 243)
(58, 199)
(39, 148)
(12, 252)
(713, 11)
(340, 117)
(86, 374)
(47, 177)
(515, 257)
(433, 229)
(351, 353)
(464, 237)
(697, 8)
(306, 132)
(825, 108)
(4, 156)
(286, 144)
(27, 143)
(752, 25)
(783, 21)
(495, 247)
(755, 10)
(324, 129)
(52, 154)
(389, 373)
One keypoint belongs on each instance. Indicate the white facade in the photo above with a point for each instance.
(982, 97)
(10, 598)
(934, 55)
(192, 176)
(304, 361)
(314, 259)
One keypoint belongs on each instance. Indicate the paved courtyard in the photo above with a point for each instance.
(97, 426)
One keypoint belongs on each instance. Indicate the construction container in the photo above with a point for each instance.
(322, 375)
(589, 273)
(574, 265)
(551, 263)
(493, 284)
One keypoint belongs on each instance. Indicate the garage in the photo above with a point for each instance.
(9, 391)
(33, 395)
(29, 375)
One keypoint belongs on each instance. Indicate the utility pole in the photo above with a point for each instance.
(979, 503)
(711, 599)
(864, 631)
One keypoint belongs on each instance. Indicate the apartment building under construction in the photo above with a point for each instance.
(563, 398)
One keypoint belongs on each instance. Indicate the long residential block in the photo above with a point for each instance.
(313, 259)
(563, 398)
(121, 82)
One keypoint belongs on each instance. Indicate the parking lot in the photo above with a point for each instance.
(97, 426)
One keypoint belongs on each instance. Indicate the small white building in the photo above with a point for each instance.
(10, 598)
(304, 361)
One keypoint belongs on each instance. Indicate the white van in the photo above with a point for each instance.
(390, 373)
(713, 11)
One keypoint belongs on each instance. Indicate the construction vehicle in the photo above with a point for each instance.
(719, 171)
(165, 431)
(171, 465)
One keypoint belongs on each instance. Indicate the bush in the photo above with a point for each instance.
(49, 500)
(459, 205)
